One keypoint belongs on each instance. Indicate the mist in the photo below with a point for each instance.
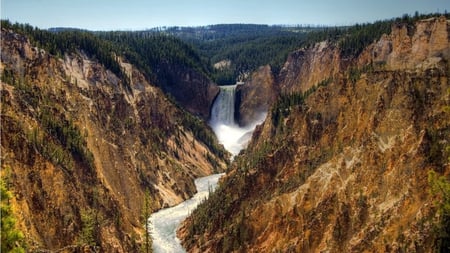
(233, 137)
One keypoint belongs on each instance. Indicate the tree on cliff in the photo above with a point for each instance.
(146, 213)
(11, 238)
(440, 188)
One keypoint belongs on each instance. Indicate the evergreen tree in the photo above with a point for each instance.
(146, 213)
(11, 238)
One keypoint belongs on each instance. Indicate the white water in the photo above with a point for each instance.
(165, 222)
(233, 137)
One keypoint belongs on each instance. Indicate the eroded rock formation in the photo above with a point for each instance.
(255, 96)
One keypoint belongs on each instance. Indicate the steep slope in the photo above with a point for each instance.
(80, 149)
(174, 65)
(255, 96)
(190, 88)
(305, 68)
(342, 162)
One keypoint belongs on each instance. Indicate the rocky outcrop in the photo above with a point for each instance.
(79, 149)
(307, 67)
(191, 89)
(255, 96)
(406, 47)
(426, 46)
(346, 169)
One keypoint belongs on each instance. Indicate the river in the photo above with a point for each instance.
(165, 222)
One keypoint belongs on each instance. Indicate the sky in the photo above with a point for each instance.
(144, 14)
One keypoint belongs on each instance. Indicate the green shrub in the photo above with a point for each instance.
(440, 189)
(88, 228)
(69, 136)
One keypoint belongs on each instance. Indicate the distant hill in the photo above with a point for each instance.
(65, 29)
(246, 46)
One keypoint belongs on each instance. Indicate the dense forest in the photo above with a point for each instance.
(244, 47)
(149, 51)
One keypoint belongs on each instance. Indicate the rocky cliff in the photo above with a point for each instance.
(255, 96)
(191, 89)
(80, 149)
(307, 67)
(419, 47)
(344, 166)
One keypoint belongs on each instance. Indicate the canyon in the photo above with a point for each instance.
(343, 157)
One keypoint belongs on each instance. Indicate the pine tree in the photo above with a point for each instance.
(11, 239)
(146, 213)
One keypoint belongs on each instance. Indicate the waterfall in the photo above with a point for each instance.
(233, 137)
(223, 109)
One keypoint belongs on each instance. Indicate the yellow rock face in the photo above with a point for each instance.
(346, 171)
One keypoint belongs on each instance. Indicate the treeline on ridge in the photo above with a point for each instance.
(248, 47)
(245, 46)
(68, 41)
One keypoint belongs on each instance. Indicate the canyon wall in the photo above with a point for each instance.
(80, 149)
(345, 166)
(255, 96)
(191, 89)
